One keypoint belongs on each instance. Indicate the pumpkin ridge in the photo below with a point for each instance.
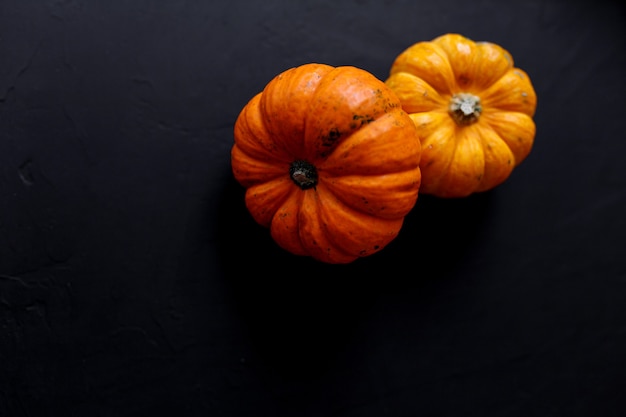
(454, 176)
(495, 171)
(250, 124)
(485, 125)
(433, 65)
(384, 136)
(448, 164)
(355, 104)
(265, 199)
(285, 103)
(460, 52)
(511, 92)
(367, 241)
(415, 93)
(314, 235)
(434, 183)
(491, 63)
(285, 223)
(520, 143)
(371, 198)
(250, 170)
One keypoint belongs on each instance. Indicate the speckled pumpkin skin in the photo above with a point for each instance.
(364, 148)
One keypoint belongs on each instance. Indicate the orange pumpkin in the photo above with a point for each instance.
(473, 110)
(329, 160)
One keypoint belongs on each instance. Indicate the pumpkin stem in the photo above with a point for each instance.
(465, 108)
(304, 174)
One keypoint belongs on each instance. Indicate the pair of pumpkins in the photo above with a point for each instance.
(333, 158)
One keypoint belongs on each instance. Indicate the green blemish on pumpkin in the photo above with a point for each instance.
(363, 119)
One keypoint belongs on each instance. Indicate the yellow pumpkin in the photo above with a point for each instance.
(473, 110)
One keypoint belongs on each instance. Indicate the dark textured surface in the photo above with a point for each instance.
(134, 283)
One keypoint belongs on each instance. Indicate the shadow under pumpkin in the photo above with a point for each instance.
(301, 313)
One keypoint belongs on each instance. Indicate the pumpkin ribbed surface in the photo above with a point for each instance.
(473, 110)
(329, 160)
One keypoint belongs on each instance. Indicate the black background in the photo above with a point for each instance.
(133, 281)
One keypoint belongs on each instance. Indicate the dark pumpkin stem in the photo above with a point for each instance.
(465, 108)
(304, 174)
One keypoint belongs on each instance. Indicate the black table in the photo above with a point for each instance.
(133, 281)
